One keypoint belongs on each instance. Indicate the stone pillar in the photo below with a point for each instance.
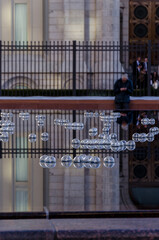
(73, 189)
(111, 187)
(108, 20)
(89, 20)
(108, 31)
(74, 20)
(56, 20)
(124, 9)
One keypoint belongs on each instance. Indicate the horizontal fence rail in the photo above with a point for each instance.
(76, 68)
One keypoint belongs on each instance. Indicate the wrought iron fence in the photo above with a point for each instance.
(75, 68)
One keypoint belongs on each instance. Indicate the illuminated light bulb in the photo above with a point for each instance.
(142, 137)
(40, 117)
(93, 131)
(42, 161)
(130, 145)
(115, 146)
(88, 114)
(113, 136)
(136, 137)
(66, 161)
(151, 121)
(50, 162)
(95, 162)
(87, 161)
(44, 136)
(122, 144)
(76, 143)
(78, 162)
(145, 121)
(32, 137)
(150, 137)
(24, 116)
(4, 137)
(40, 123)
(108, 162)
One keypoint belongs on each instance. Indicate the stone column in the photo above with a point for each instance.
(108, 20)
(74, 20)
(56, 20)
(108, 31)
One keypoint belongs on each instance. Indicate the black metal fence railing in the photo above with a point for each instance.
(76, 68)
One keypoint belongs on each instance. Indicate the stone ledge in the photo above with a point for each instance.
(27, 229)
(80, 228)
(75, 103)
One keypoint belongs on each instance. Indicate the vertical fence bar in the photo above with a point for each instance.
(74, 131)
(149, 69)
(0, 68)
(74, 68)
(8, 69)
(66, 52)
(49, 69)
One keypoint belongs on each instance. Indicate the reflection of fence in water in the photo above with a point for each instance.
(60, 139)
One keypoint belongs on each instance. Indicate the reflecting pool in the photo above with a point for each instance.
(69, 160)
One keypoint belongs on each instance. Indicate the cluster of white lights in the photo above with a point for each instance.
(147, 121)
(103, 141)
(80, 161)
(7, 127)
(69, 125)
(143, 137)
(40, 120)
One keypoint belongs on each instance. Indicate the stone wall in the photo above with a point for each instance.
(84, 20)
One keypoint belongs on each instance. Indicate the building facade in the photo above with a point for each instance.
(56, 21)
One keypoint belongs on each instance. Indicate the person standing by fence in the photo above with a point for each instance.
(143, 78)
(122, 89)
(136, 67)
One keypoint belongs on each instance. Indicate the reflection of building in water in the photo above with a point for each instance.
(28, 187)
(23, 182)
(143, 167)
(21, 178)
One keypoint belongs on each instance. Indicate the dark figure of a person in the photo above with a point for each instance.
(125, 119)
(136, 67)
(143, 78)
(138, 116)
(122, 89)
(155, 80)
